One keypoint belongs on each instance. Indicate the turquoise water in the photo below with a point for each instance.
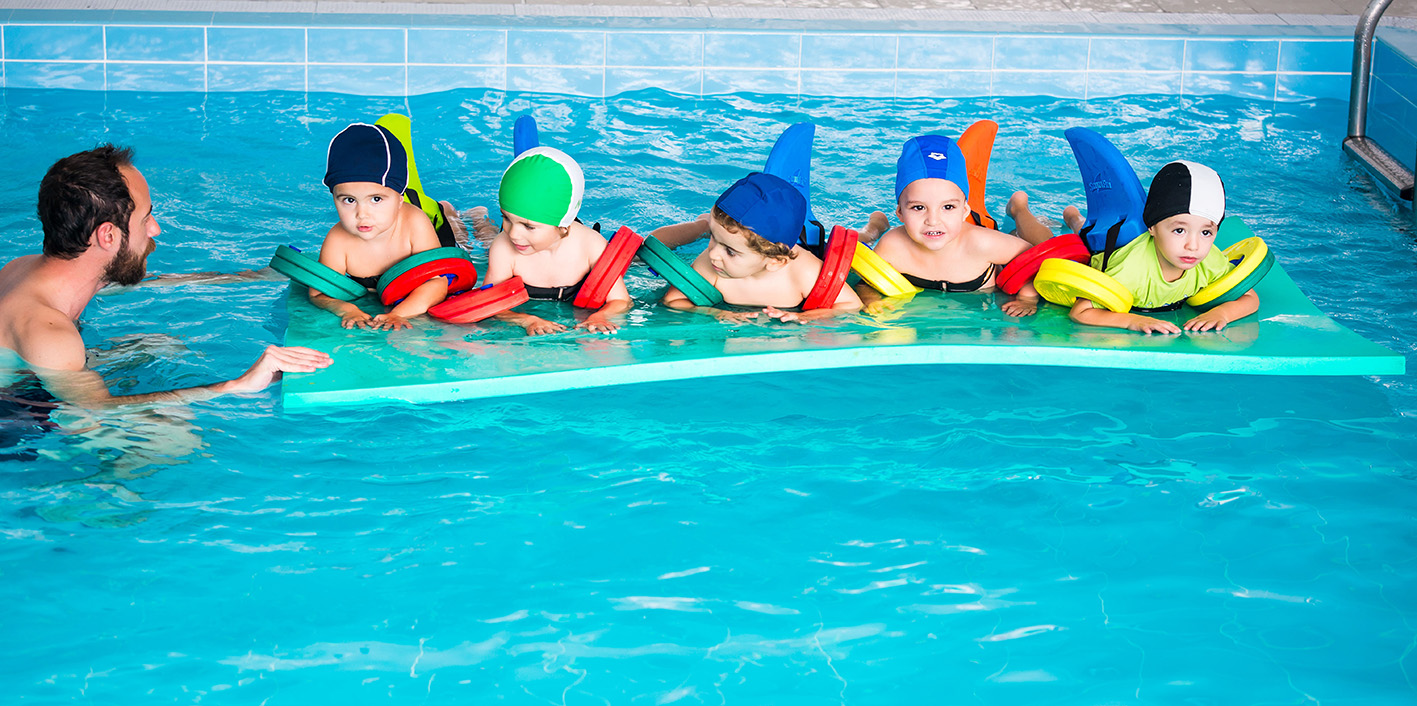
(879, 536)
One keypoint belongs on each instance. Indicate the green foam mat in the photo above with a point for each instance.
(436, 362)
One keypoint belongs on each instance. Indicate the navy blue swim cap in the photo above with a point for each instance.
(369, 153)
(931, 157)
(767, 205)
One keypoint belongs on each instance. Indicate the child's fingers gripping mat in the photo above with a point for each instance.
(436, 362)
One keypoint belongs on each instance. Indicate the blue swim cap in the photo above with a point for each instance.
(371, 153)
(931, 157)
(768, 205)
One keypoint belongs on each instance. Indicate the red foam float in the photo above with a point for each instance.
(611, 266)
(481, 303)
(1022, 268)
(461, 269)
(836, 264)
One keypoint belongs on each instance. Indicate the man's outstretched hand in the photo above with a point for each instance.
(274, 361)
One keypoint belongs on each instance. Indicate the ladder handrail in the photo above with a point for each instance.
(1363, 67)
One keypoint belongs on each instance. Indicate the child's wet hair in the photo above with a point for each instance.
(757, 243)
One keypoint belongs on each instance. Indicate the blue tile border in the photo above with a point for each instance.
(396, 55)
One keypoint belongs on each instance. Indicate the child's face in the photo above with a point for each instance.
(730, 256)
(530, 236)
(932, 211)
(1183, 241)
(367, 210)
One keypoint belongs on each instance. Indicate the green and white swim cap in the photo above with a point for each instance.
(543, 184)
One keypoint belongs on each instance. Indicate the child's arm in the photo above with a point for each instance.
(871, 300)
(421, 237)
(332, 255)
(417, 302)
(1001, 249)
(677, 300)
(1025, 303)
(846, 302)
(618, 302)
(350, 316)
(682, 233)
(1217, 318)
(1084, 312)
(499, 269)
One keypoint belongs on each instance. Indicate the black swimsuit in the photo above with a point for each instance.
(556, 294)
(940, 285)
(24, 415)
(369, 283)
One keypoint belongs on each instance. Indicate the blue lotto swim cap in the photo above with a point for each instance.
(369, 153)
(931, 157)
(768, 205)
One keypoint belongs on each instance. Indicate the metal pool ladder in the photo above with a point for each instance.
(1393, 173)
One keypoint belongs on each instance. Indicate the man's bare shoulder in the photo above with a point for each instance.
(45, 338)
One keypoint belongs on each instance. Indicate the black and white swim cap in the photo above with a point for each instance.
(1185, 187)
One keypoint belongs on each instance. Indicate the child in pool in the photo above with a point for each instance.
(937, 247)
(366, 172)
(1174, 259)
(753, 256)
(542, 242)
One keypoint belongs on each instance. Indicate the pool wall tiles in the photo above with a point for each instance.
(401, 61)
(1392, 103)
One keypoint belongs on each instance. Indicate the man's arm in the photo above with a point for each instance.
(265, 274)
(51, 345)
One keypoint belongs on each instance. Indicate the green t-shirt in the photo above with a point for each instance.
(1137, 267)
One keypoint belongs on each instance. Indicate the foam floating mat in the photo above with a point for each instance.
(437, 362)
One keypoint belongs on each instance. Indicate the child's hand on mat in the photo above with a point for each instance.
(1020, 307)
(536, 326)
(1212, 320)
(786, 317)
(389, 322)
(1146, 324)
(882, 306)
(595, 323)
(353, 319)
(736, 317)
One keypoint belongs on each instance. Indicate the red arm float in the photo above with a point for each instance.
(836, 263)
(1022, 268)
(481, 303)
(611, 266)
(464, 277)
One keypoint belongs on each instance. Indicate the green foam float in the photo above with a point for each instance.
(436, 362)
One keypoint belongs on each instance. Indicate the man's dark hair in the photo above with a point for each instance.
(80, 193)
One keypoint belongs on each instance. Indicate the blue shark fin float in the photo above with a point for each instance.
(1115, 196)
(791, 159)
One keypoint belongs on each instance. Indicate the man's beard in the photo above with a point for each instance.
(128, 268)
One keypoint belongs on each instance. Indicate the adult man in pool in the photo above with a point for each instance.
(99, 229)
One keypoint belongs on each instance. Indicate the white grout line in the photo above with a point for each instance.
(1185, 48)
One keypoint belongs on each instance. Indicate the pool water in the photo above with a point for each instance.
(935, 534)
